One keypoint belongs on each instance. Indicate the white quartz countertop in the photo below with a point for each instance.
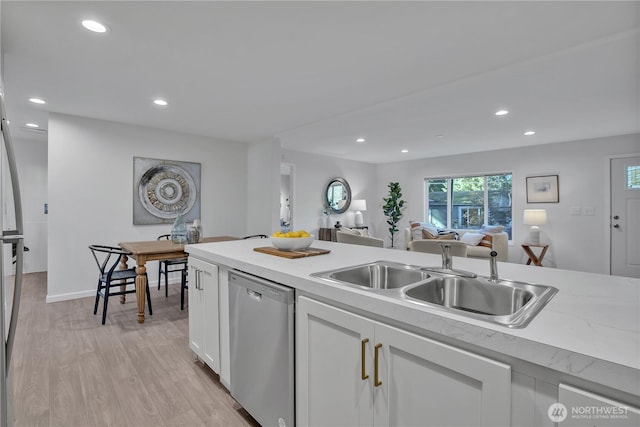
(590, 329)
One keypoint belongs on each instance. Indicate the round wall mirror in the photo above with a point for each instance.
(338, 195)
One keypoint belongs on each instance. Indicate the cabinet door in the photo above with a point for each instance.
(196, 313)
(209, 283)
(330, 389)
(427, 383)
(223, 316)
(584, 409)
(204, 332)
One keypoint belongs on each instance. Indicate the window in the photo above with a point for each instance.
(633, 177)
(469, 201)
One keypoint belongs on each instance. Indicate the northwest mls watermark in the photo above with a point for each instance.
(558, 412)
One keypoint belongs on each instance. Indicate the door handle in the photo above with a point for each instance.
(616, 217)
(363, 351)
(376, 379)
(254, 295)
(616, 226)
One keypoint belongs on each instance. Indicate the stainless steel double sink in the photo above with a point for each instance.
(504, 302)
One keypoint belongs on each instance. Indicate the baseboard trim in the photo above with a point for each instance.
(153, 284)
(70, 296)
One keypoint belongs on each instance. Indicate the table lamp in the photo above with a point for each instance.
(534, 218)
(358, 206)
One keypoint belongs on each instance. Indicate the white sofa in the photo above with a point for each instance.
(500, 244)
(357, 239)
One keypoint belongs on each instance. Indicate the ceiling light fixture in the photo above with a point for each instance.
(404, 151)
(529, 133)
(502, 113)
(160, 102)
(32, 125)
(94, 26)
(37, 101)
(360, 140)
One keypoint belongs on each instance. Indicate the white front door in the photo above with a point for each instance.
(625, 217)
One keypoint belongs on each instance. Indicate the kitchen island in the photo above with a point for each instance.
(588, 336)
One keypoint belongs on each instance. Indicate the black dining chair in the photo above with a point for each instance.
(112, 280)
(173, 265)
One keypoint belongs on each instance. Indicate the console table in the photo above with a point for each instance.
(327, 234)
(537, 260)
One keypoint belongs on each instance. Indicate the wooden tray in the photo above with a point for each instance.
(291, 254)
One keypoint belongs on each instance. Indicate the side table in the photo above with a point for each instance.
(537, 260)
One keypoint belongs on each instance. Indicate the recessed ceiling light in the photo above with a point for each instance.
(37, 101)
(161, 102)
(404, 151)
(502, 113)
(529, 133)
(94, 26)
(360, 140)
(32, 125)
(439, 135)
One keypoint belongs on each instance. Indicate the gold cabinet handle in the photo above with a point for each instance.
(376, 379)
(364, 375)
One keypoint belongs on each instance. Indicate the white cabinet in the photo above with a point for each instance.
(204, 329)
(354, 371)
(580, 408)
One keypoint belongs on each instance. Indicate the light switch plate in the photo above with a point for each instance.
(575, 210)
(589, 211)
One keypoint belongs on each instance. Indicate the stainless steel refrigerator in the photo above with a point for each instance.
(11, 261)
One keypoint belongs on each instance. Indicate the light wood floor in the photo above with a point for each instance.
(69, 370)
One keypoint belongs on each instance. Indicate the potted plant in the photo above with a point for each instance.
(393, 208)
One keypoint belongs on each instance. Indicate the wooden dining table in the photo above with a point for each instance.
(155, 250)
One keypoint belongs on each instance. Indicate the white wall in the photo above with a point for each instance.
(263, 192)
(576, 242)
(31, 158)
(91, 192)
(312, 173)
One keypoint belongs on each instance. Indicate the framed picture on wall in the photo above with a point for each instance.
(542, 189)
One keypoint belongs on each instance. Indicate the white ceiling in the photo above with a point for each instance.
(318, 75)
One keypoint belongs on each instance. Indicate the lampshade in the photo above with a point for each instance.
(359, 205)
(535, 217)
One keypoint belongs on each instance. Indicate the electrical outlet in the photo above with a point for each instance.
(589, 211)
(575, 210)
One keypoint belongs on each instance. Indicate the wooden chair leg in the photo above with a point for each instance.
(183, 286)
(106, 302)
(149, 299)
(95, 307)
(166, 281)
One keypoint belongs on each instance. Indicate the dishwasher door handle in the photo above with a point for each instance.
(255, 295)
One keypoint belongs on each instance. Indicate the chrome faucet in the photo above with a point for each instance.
(447, 264)
(447, 260)
(493, 266)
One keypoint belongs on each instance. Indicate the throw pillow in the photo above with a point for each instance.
(417, 227)
(426, 234)
(491, 229)
(472, 239)
(487, 241)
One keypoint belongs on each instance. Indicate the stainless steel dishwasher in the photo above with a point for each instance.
(261, 327)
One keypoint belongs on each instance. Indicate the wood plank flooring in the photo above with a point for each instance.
(69, 370)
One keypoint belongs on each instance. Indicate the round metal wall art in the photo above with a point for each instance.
(167, 190)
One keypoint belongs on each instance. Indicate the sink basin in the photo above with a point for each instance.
(505, 302)
(377, 275)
